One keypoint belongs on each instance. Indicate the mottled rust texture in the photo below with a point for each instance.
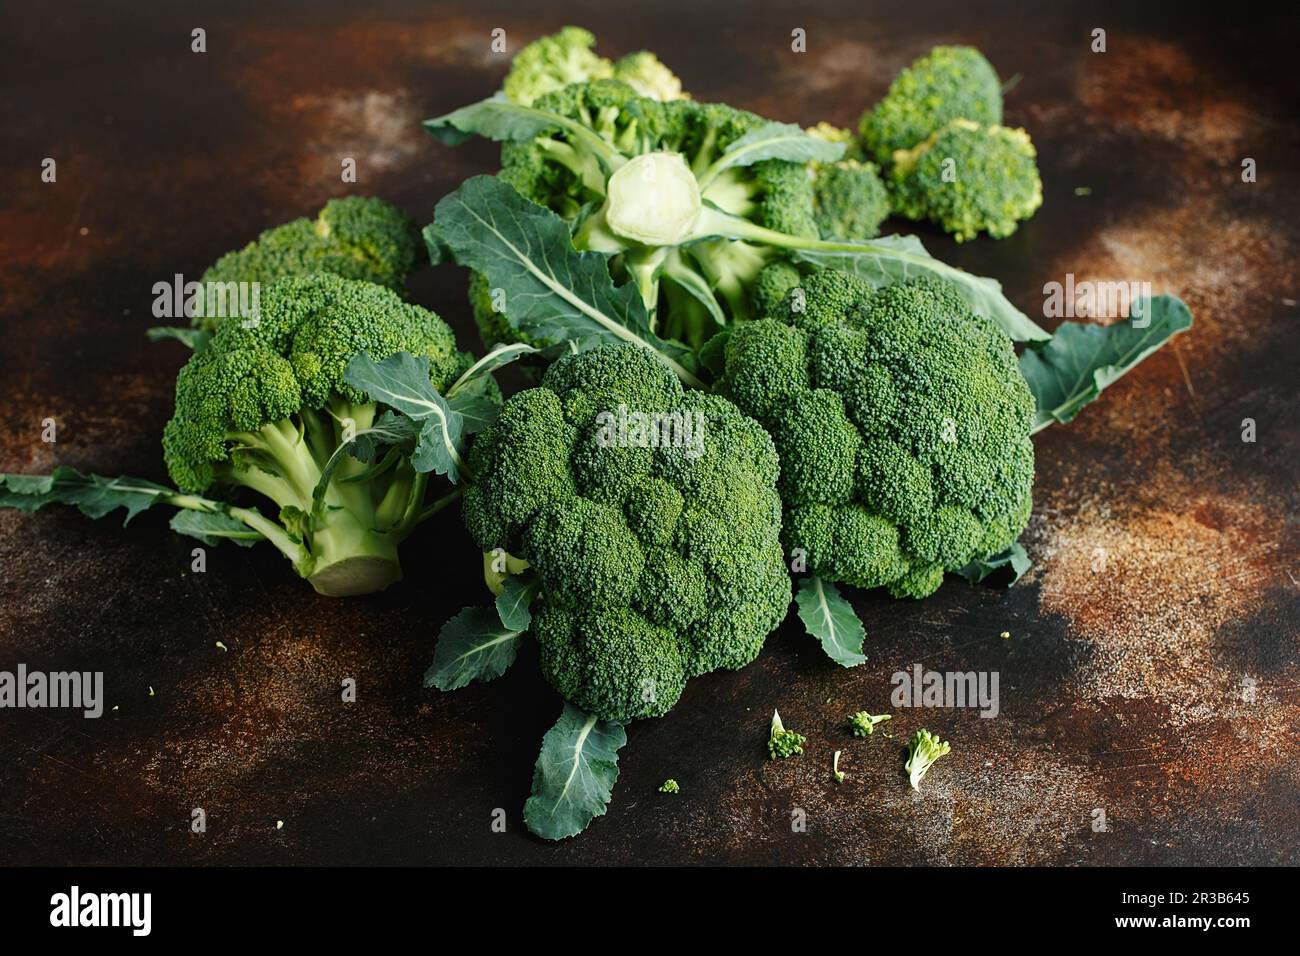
(1121, 689)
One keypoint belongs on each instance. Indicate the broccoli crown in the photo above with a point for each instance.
(969, 179)
(948, 83)
(645, 73)
(292, 358)
(849, 199)
(553, 62)
(356, 238)
(902, 426)
(651, 519)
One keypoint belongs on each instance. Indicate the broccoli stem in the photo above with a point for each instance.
(351, 557)
(295, 551)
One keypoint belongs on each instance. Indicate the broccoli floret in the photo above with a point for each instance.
(902, 425)
(644, 72)
(553, 62)
(655, 542)
(782, 743)
(948, 83)
(772, 285)
(849, 199)
(922, 751)
(264, 406)
(356, 238)
(969, 179)
(669, 786)
(864, 725)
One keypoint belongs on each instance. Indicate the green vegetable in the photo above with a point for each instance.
(687, 202)
(864, 725)
(652, 564)
(849, 199)
(948, 83)
(782, 743)
(831, 619)
(473, 645)
(575, 774)
(553, 62)
(1013, 559)
(902, 425)
(969, 179)
(835, 768)
(669, 786)
(922, 751)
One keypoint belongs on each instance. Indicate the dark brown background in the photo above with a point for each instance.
(1121, 690)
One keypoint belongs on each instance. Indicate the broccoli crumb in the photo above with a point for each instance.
(669, 786)
(783, 743)
(922, 751)
(835, 767)
(864, 725)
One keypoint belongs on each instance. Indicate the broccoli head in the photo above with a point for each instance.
(902, 425)
(849, 199)
(356, 238)
(264, 406)
(556, 61)
(948, 83)
(969, 179)
(645, 73)
(650, 518)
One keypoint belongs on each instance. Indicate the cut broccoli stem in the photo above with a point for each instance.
(351, 558)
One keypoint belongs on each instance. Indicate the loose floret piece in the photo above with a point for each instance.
(864, 725)
(264, 406)
(355, 238)
(922, 751)
(783, 743)
(969, 179)
(669, 786)
(836, 772)
(553, 62)
(902, 425)
(948, 83)
(651, 521)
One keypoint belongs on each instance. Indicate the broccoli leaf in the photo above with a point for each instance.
(92, 495)
(555, 292)
(473, 645)
(212, 527)
(513, 602)
(575, 774)
(476, 376)
(889, 259)
(389, 430)
(832, 620)
(773, 141)
(401, 382)
(1082, 359)
(1013, 558)
(503, 121)
(195, 339)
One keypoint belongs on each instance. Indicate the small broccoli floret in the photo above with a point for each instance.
(922, 751)
(264, 406)
(849, 199)
(648, 76)
(553, 62)
(355, 238)
(772, 285)
(782, 743)
(836, 772)
(864, 725)
(650, 519)
(969, 179)
(902, 425)
(948, 83)
(669, 786)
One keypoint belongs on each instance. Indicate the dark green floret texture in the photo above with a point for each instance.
(901, 422)
(355, 238)
(948, 83)
(656, 563)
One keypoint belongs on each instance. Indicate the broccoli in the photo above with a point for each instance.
(669, 786)
(864, 725)
(836, 772)
(783, 743)
(649, 519)
(968, 178)
(553, 62)
(922, 751)
(264, 406)
(948, 83)
(849, 199)
(356, 238)
(902, 424)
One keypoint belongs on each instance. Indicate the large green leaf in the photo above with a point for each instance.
(1082, 359)
(575, 774)
(773, 141)
(473, 645)
(213, 527)
(832, 620)
(503, 121)
(93, 495)
(554, 291)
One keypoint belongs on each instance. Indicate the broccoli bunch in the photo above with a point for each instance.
(356, 238)
(902, 426)
(650, 519)
(555, 61)
(264, 406)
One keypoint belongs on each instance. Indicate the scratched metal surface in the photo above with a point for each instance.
(1120, 690)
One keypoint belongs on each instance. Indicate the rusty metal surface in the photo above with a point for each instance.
(1120, 689)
